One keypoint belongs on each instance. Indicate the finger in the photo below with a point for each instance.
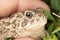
(24, 39)
(7, 7)
(31, 4)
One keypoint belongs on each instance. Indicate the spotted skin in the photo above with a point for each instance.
(21, 25)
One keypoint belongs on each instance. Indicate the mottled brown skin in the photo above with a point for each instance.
(22, 24)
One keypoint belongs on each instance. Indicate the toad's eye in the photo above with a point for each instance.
(29, 14)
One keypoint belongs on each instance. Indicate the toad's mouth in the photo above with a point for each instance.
(39, 23)
(31, 31)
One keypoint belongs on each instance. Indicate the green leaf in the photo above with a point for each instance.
(58, 35)
(53, 37)
(51, 28)
(49, 16)
(55, 4)
(55, 31)
(45, 38)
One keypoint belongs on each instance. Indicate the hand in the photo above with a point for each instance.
(26, 38)
(31, 4)
(7, 7)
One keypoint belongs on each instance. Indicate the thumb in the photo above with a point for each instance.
(31, 4)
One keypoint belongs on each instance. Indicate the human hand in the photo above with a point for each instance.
(8, 7)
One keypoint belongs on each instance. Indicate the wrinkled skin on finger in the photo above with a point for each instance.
(8, 7)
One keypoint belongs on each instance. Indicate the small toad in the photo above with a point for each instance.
(30, 23)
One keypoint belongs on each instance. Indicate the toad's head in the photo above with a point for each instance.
(29, 23)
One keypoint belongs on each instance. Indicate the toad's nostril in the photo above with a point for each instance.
(29, 14)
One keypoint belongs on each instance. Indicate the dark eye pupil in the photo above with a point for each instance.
(29, 14)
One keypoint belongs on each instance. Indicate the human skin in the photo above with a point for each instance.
(26, 38)
(8, 7)
(31, 4)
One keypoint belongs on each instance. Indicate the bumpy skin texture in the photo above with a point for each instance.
(30, 23)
